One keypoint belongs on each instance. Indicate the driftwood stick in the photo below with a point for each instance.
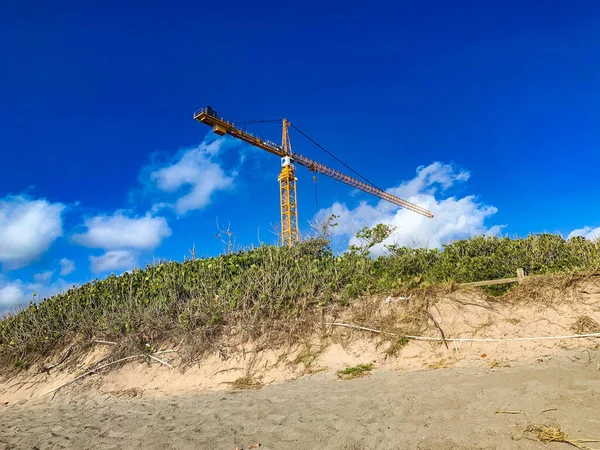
(89, 372)
(337, 324)
(98, 341)
(160, 361)
(165, 351)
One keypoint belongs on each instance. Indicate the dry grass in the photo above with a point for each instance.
(441, 363)
(130, 393)
(551, 433)
(549, 289)
(396, 345)
(488, 323)
(585, 325)
(246, 382)
(395, 319)
(307, 357)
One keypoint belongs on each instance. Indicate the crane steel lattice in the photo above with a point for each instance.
(287, 177)
(287, 192)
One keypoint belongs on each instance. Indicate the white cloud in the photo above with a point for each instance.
(586, 232)
(27, 229)
(66, 266)
(430, 179)
(114, 260)
(11, 294)
(123, 238)
(14, 293)
(43, 277)
(455, 218)
(194, 176)
(119, 232)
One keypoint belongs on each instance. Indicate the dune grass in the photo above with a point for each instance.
(350, 373)
(265, 291)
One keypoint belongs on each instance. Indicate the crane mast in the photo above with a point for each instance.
(287, 176)
(287, 192)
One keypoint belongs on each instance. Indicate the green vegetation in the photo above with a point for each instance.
(268, 289)
(350, 373)
(397, 345)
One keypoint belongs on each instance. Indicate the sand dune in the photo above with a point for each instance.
(426, 396)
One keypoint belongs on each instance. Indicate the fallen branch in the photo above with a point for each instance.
(165, 351)
(437, 325)
(160, 361)
(89, 372)
(337, 324)
(179, 345)
(98, 341)
(62, 360)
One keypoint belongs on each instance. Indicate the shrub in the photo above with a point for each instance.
(269, 284)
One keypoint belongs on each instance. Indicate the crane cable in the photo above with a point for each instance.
(244, 122)
(334, 157)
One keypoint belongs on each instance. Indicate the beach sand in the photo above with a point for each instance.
(437, 409)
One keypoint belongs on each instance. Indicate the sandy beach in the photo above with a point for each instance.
(437, 409)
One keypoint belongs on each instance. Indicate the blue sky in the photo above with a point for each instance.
(485, 113)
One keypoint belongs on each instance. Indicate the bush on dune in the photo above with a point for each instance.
(270, 285)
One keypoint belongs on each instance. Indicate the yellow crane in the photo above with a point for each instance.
(287, 176)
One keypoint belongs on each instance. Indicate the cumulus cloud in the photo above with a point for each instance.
(431, 179)
(455, 218)
(586, 232)
(194, 176)
(114, 260)
(11, 294)
(43, 277)
(66, 266)
(14, 293)
(27, 229)
(117, 232)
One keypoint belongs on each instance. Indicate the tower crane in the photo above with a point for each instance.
(287, 176)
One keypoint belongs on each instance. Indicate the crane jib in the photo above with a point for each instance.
(332, 173)
(221, 127)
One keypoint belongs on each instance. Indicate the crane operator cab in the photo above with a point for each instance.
(287, 161)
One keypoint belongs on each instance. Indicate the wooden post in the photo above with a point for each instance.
(520, 274)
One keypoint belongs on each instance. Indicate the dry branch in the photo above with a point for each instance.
(160, 361)
(357, 327)
(98, 341)
(437, 325)
(89, 372)
(62, 360)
